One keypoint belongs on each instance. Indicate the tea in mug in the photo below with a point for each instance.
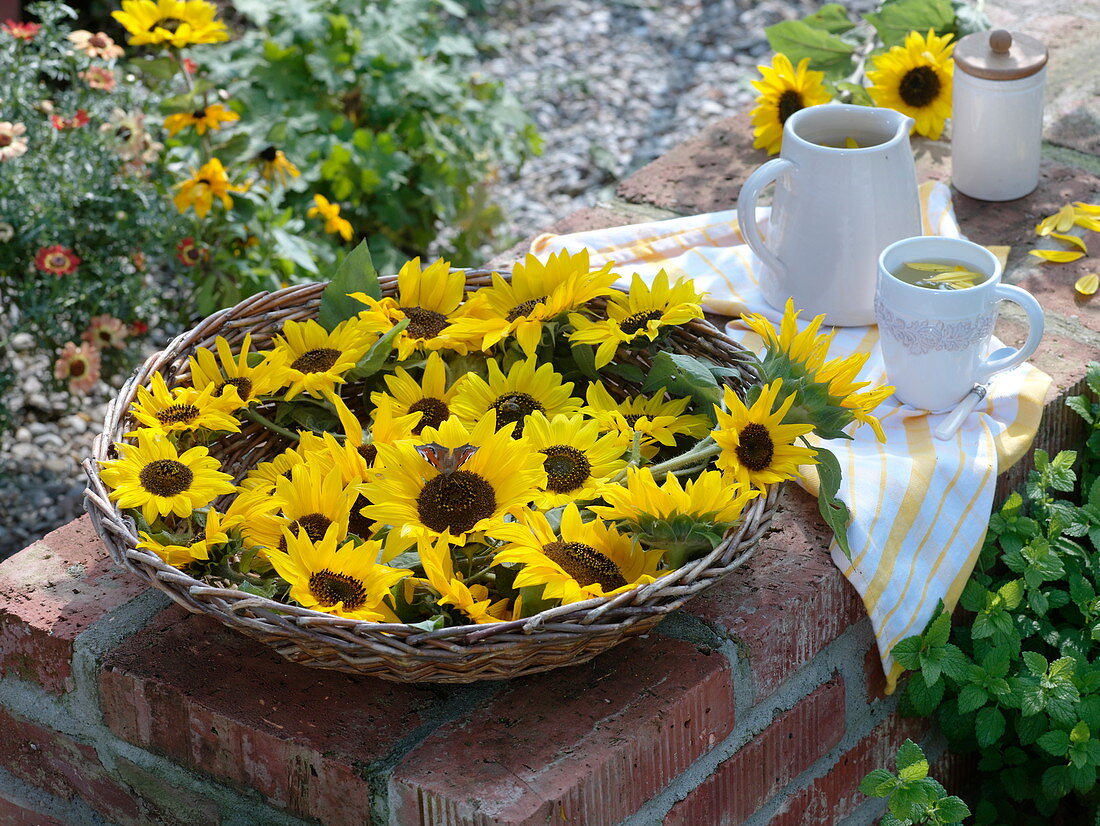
(938, 274)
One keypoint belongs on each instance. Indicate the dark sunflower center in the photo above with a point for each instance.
(789, 103)
(632, 418)
(369, 452)
(919, 87)
(177, 414)
(456, 501)
(331, 588)
(585, 564)
(316, 361)
(638, 321)
(314, 524)
(755, 447)
(566, 468)
(525, 307)
(424, 323)
(243, 385)
(358, 524)
(433, 412)
(515, 407)
(166, 477)
(77, 368)
(169, 23)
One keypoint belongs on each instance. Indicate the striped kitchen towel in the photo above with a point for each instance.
(920, 506)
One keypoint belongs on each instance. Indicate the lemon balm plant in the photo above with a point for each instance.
(442, 457)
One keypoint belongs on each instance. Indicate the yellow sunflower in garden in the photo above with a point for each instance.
(783, 91)
(208, 183)
(538, 292)
(184, 408)
(317, 359)
(431, 301)
(154, 477)
(527, 388)
(312, 499)
(430, 398)
(471, 600)
(215, 533)
(207, 117)
(418, 498)
(659, 421)
(579, 561)
(232, 375)
(640, 313)
(177, 23)
(757, 449)
(915, 79)
(578, 461)
(345, 581)
(826, 392)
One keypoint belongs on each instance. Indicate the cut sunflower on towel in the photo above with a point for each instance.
(447, 456)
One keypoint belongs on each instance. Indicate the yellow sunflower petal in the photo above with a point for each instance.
(1057, 256)
(1087, 284)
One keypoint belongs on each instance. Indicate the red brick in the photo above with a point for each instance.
(703, 174)
(49, 593)
(63, 767)
(835, 795)
(766, 764)
(875, 676)
(13, 814)
(214, 700)
(585, 745)
(958, 773)
(788, 601)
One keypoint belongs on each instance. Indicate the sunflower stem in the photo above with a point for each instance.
(262, 420)
(698, 456)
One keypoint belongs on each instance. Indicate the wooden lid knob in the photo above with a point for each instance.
(1000, 41)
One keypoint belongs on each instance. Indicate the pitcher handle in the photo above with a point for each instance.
(1035, 322)
(746, 210)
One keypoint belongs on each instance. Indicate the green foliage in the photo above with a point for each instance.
(92, 189)
(375, 105)
(1019, 680)
(912, 797)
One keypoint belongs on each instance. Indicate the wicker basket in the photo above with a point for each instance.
(560, 636)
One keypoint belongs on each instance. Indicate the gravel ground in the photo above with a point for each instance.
(611, 84)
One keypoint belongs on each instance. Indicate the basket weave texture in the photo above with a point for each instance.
(560, 636)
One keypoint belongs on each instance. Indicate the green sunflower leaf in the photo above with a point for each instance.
(376, 356)
(356, 274)
(798, 39)
(832, 18)
(895, 20)
(683, 375)
(833, 510)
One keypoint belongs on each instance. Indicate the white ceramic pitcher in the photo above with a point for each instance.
(835, 209)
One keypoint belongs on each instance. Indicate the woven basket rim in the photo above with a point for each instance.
(603, 615)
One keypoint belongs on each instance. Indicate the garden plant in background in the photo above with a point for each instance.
(1018, 679)
(913, 798)
(459, 458)
(81, 217)
(898, 57)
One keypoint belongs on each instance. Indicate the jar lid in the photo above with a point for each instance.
(1000, 55)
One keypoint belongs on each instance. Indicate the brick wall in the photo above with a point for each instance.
(760, 704)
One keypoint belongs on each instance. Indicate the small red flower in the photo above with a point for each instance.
(190, 66)
(21, 31)
(138, 328)
(57, 259)
(189, 252)
(79, 119)
(139, 261)
(106, 331)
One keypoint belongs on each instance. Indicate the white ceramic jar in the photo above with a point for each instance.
(997, 115)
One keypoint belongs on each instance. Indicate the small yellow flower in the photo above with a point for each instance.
(331, 213)
(276, 166)
(657, 420)
(783, 91)
(209, 117)
(214, 534)
(200, 190)
(177, 23)
(915, 79)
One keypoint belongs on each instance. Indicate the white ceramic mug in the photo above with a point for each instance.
(835, 209)
(934, 341)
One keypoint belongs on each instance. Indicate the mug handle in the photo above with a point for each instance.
(746, 209)
(1035, 323)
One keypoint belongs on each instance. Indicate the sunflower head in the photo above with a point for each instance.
(825, 392)
(578, 460)
(528, 387)
(449, 589)
(757, 448)
(915, 79)
(317, 359)
(783, 91)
